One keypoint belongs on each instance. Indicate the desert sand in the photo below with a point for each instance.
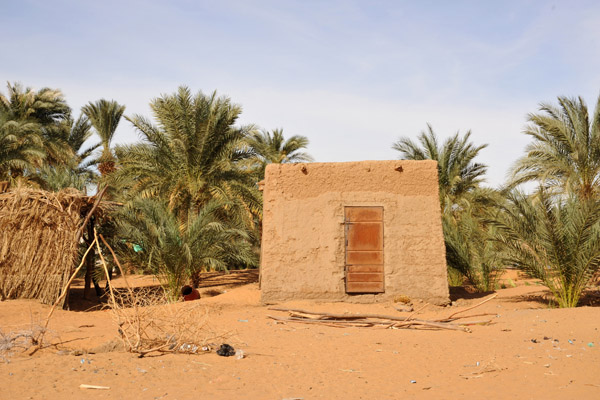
(529, 351)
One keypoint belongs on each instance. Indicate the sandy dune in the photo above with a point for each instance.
(530, 351)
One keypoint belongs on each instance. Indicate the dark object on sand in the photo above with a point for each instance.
(226, 350)
(189, 293)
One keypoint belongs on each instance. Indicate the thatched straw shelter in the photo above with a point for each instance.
(39, 235)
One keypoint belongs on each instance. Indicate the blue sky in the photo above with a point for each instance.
(352, 76)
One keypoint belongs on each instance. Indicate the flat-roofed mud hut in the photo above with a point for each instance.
(354, 231)
(39, 241)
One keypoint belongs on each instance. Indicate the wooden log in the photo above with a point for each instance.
(440, 325)
(335, 324)
(341, 316)
(370, 323)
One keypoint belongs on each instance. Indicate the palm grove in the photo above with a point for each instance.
(191, 201)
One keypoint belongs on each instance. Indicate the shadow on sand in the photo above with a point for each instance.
(467, 293)
(207, 280)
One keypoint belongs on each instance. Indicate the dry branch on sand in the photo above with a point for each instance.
(17, 340)
(148, 322)
(153, 324)
(379, 320)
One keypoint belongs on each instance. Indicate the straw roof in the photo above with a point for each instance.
(38, 241)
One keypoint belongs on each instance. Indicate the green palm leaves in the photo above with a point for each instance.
(191, 156)
(21, 148)
(272, 147)
(556, 241)
(192, 205)
(104, 115)
(564, 154)
(464, 204)
(458, 174)
(554, 234)
(173, 249)
(31, 130)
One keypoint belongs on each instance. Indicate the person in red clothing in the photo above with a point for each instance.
(189, 293)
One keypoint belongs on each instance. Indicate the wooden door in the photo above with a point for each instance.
(364, 249)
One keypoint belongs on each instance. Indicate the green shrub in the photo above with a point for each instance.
(554, 240)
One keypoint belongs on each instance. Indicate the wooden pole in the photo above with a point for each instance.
(90, 262)
(39, 339)
(90, 213)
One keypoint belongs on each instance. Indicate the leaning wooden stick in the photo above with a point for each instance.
(412, 315)
(39, 339)
(465, 316)
(116, 262)
(136, 318)
(476, 305)
(89, 214)
(110, 288)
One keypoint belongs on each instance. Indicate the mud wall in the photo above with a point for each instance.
(303, 244)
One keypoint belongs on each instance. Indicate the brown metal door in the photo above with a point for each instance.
(364, 249)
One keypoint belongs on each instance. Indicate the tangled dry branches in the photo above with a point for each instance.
(148, 322)
(152, 324)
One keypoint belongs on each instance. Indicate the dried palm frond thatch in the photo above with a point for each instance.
(39, 241)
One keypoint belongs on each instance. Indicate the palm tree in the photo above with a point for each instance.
(104, 116)
(27, 113)
(458, 174)
(274, 148)
(46, 106)
(556, 240)
(565, 152)
(191, 157)
(77, 172)
(20, 148)
(470, 248)
(463, 202)
(174, 250)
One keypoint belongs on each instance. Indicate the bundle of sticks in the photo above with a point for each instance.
(385, 321)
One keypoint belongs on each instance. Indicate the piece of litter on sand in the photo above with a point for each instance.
(226, 350)
(84, 386)
(413, 381)
(590, 344)
(242, 320)
(349, 370)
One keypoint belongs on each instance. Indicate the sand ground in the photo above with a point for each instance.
(529, 351)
